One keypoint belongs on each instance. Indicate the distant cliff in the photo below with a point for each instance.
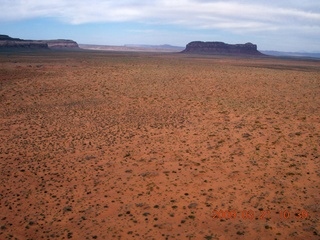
(7, 42)
(7, 38)
(61, 43)
(221, 48)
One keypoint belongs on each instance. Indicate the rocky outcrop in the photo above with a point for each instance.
(7, 38)
(61, 44)
(23, 45)
(7, 42)
(221, 48)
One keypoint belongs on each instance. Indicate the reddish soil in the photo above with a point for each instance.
(158, 146)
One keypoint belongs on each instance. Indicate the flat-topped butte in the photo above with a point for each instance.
(221, 48)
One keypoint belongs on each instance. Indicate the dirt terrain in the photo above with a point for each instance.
(97, 145)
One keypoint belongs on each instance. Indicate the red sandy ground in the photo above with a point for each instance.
(158, 146)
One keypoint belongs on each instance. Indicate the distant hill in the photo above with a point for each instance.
(7, 42)
(221, 48)
(291, 54)
(7, 38)
(163, 46)
(133, 48)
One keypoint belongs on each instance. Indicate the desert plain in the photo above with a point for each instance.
(110, 145)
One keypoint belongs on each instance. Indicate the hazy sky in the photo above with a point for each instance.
(284, 25)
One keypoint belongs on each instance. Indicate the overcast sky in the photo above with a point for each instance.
(283, 25)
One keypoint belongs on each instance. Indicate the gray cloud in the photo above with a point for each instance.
(188, 12)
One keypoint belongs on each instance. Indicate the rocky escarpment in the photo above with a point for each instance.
(7, 42)
(61, 44)
(221, 48)
(7, 38)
